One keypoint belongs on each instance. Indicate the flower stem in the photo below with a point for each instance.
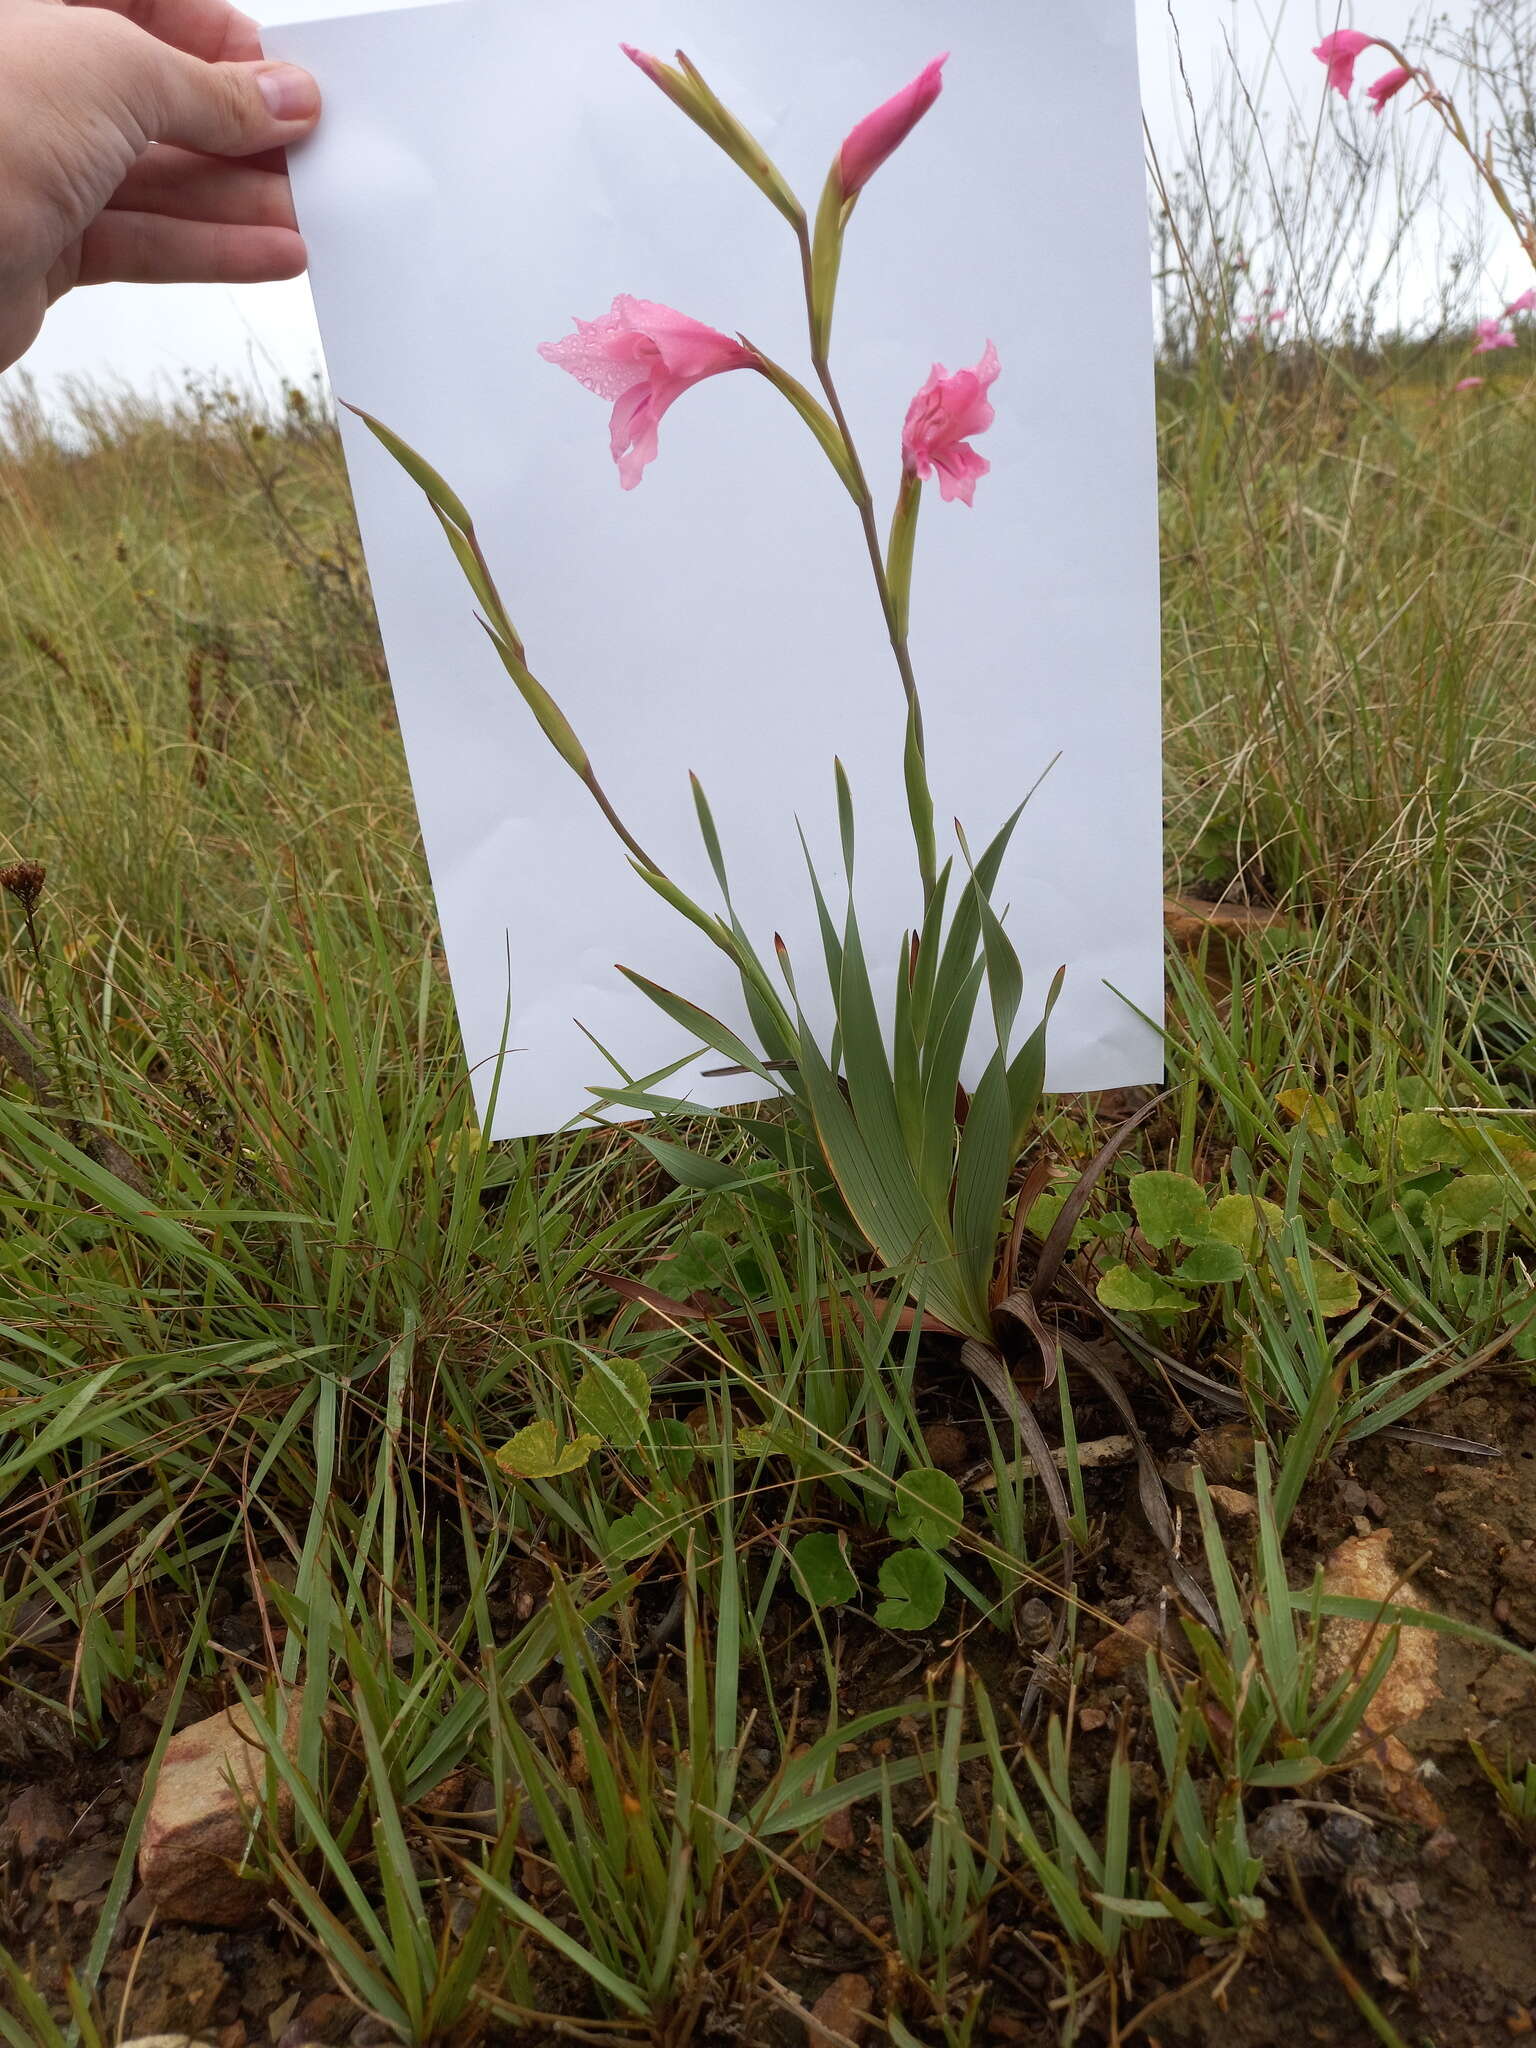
(1451, 120)
(919, 797)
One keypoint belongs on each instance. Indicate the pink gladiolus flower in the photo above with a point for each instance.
(887, 128)
(1470, 384)
(643, 357)
(944, 413)
(1388, 86)
(1493, 334)
(1341, 52)
(1526, 303)
(1284, 313)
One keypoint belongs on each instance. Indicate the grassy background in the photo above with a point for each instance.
(278, 1344)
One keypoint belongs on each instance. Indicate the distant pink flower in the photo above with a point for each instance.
(887, 128)
(1493, 334)
(944, 413)
(643, 357)
(1284, 313)
(1250, 319)
(1341, 52)
(1388, 86)
(1526, 303)
(1471, 384)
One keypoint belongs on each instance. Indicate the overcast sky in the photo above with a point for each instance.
(140, 334)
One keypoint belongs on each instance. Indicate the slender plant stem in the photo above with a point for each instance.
(54, 1028)
(866, 504)
(1451, 120)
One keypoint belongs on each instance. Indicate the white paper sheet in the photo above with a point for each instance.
(485, 171)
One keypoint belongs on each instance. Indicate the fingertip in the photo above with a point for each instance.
(289, 94)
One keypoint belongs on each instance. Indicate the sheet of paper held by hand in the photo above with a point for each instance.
(698, 596)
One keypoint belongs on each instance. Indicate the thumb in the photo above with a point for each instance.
(224, 109)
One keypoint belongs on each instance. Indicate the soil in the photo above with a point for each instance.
(1433, 1920)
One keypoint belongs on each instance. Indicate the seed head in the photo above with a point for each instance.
(24, 880)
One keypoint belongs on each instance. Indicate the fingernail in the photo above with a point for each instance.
(289, 93)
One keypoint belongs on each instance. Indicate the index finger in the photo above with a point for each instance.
(210, 29)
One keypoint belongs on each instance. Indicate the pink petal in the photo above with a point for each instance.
(1526, 303)
(869, 144)
(643, 356)
(1340, 52)
(1493, 334)
(687, 347)
(1471, 384)
(958, 468)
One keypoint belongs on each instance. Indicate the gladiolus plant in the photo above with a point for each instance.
(877, 1119)
(1342, 51)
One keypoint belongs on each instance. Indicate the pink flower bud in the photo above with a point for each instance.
(1388, 86)
(644, 357)
(657, 72)
(947, 410)
(1340, 52)
(878, 134)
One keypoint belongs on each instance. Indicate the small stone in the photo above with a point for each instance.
(212, 1776)
(837, 1829)
(325, 2017)
(948, 1445)
(547, 1724)
(34, 1821)
(1126, 1649)
(1281, 1832)
(841, 2013)
(1233, 1507)
(1225, 1455)
(166, 2041)
(82, 1876)
(372, 2032)
(136, 1736)
(1092, 1719)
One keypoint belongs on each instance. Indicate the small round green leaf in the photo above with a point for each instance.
(537, 1453)
(1473, 1203)
(1170, 1208)
(820, 1563)
(1209, 1264)
(1338, 1293)
(928, 1509)
(1246, 1220)
(1141, 1294)
(613, 1399)
(913, 1584)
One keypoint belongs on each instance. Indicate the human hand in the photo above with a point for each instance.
(117, 131)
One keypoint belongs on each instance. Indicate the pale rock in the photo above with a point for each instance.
(1361, 1568)
(165, 2041)
(842, 2013)
(212, 1778)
